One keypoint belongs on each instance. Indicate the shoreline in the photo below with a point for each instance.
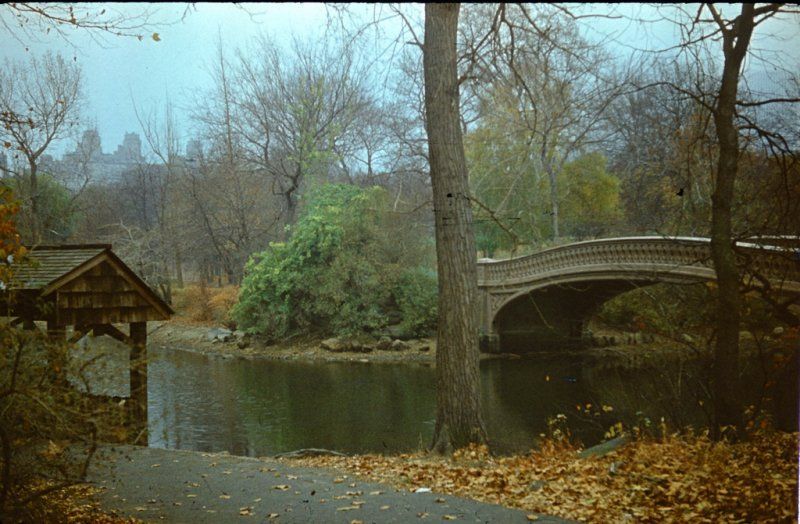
(194, 338)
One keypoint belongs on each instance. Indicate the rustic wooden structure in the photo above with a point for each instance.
(89, 288)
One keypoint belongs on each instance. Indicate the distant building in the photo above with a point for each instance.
(88, 163)
(130, 150)
(88, 158)
(194, 150)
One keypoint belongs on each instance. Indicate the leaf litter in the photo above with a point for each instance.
(678, 478)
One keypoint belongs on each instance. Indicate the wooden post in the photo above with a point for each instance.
(58, 358)
(137, 410)
(55, 331)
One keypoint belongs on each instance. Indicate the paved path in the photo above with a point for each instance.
(192, 487)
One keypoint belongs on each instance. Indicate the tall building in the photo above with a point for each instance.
(130, 150)
(90, 147)
(194, 150)
(89, 160)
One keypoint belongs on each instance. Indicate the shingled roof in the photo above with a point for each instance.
(83, 284)
(52, 262)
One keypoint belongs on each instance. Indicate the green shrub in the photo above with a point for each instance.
(337, 272)
(417, 295)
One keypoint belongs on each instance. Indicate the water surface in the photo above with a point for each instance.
(262, 407)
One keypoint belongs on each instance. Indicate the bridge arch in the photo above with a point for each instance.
(544, 300)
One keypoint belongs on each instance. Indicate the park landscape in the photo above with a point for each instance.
(496, 262)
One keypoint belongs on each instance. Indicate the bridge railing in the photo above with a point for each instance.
(772, 262)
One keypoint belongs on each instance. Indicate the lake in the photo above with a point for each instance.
(262, 407)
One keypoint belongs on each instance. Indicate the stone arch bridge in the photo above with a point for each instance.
(543, 301)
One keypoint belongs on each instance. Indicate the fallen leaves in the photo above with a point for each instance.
(77, 503)
(676, 479)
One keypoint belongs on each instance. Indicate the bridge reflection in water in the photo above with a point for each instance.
(543, 301)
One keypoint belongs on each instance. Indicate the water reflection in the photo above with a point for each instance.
(265, 407)
(262, 407)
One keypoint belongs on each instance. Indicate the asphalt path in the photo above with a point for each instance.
(158, 485)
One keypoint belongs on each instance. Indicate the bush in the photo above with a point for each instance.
(200, 303)
(221, 303)
(336, 274)
(417, 296)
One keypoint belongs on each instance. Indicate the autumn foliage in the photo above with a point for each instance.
(199, 303)
(11, 249)
(678, 478)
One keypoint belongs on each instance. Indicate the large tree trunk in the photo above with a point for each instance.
(727, 408)
(458, 412)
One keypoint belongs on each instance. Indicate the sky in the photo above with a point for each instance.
(119, 71)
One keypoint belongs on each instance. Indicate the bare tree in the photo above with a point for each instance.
(40, 102)
(554, 87)
(163, 140)
(735, 128)
(230, 195)
(662, 149)
(33, 20)
(297, 109)
(736, 35)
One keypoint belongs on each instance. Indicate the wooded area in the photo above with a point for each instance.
(346, 185)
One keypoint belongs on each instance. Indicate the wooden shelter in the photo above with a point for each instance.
(89, 288)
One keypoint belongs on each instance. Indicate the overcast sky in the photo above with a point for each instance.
(119, 70)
